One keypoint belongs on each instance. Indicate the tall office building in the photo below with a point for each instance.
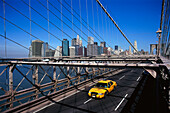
(90, 49)
(130, 51)
(78, 40)
(30, 51)
(100, 50)
(44, 49)
(105, 50)
(50, 53)
(65, 47)
(90, 40)
(72, 50)
(76, 49)
(135, 45)
(116, 47)
(73, 42)
(95, 49)
(58, 51)
(80, 43)
(37, 48)
(109, 51)
(103, 44)
(82, 51)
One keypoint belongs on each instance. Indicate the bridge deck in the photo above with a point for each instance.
(114, 102)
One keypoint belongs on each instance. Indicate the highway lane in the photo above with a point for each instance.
(114, 102)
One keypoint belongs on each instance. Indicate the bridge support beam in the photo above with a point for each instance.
(54, 77)
(35, 80)
(11, 69)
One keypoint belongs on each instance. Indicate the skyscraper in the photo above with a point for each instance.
(44, 49)
(30, 51)
(100, 50)
(80, 43)
(103, 44)
(65, 47)
(116, 47)
(105, 50)
(73, 42)
(37, 48)
(58, 51)
(109, 51)
(90, 49)
(135, 45)
(82, 51)
(130, 51)
(50, 53)
(78, 40)
(90, 40)
(76, 49)
(95, 49)
(72, 50)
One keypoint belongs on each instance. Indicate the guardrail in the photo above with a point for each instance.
(71, 76)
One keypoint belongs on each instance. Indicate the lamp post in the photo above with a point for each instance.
(159, 37)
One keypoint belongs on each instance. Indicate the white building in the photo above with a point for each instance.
(130, 51)
(135, 45)
(58, 51)
(90, 40)
(72, 50)
(78, 40)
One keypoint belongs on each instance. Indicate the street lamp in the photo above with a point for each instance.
(159, 37)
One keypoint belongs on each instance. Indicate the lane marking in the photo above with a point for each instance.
(57, 101)
(87, 100)
(121, 77)
(121, 102)
(138, 79)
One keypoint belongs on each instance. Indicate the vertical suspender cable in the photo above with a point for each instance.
(106, 36)
(87, 17)
(72, 17)
(80, 17)
(93, 15)
(115, 24)
(98, 18)
(30, 28)
(6, 79)
(102, 22)
(4, 28)
(48, 23)
(61, 19)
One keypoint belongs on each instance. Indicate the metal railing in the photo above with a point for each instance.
(62, 78)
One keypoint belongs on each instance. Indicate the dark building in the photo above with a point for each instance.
(105, 50)
(116, 47)
(76, 50)
(83, 51)
(100, 50)
(65, 47)
(73, 42)
(50, 53)
(37, 48)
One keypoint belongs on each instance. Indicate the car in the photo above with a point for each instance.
(102, 88)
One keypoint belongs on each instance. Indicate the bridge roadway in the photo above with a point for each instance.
(127, 80)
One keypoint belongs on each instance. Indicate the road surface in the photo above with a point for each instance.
(114, 102)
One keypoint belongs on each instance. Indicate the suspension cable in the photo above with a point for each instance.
(87, 17)
(86, 23)
(48, 23)
(4, 28)
(115, 24)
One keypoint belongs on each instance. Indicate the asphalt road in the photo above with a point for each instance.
(112, 103)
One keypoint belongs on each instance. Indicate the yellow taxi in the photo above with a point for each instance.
(102, 88)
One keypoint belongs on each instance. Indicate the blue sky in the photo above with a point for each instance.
(138, 19)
